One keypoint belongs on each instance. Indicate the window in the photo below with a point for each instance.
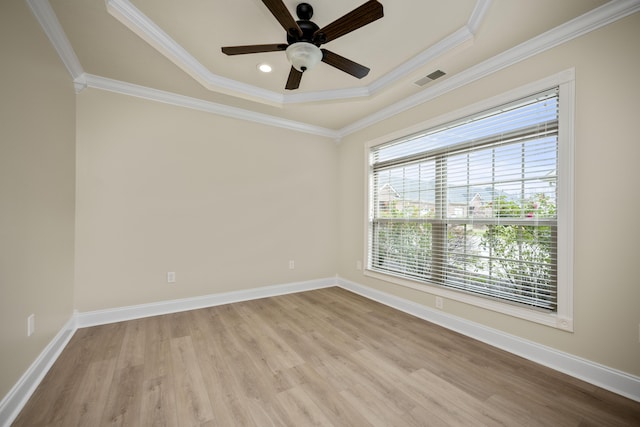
(474, 209)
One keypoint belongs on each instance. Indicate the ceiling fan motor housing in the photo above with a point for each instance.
(309, 28)
(304, 38)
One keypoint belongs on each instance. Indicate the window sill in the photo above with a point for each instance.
(548, 319)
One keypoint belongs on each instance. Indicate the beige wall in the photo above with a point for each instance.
(226, 203)
(37, 168)
(223, 203)
(607, 238)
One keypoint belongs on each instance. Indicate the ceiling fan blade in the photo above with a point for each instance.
(256, 48)
(359, 17)
(281, 13)
(293, 82)
(344, 64)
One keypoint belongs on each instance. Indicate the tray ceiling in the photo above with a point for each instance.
(170, 51)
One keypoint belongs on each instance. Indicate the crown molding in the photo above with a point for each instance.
(125, 12)
(478, 15)
(590, 21)
(328, 95)
(49, 22)
(130, 16)
(458, 38)
(597, 18)
(137, 91)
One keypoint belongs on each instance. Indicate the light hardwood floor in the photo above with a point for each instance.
(324, 357)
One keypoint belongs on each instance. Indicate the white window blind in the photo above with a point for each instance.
(471, 205)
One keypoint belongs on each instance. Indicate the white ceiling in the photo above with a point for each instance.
(170, 51)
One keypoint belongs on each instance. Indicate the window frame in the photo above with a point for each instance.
(563, 317)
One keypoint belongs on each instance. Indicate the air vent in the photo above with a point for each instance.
(431, 77)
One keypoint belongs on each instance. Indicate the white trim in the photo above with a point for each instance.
(458, 38)
(131, 17)
(557, 79)
(551, 320)
(477, 16)
(610, 379)
(101, 317)
(14, 401)
(52, 28)
(602, 376)
(563, 319)
(566, 197)
(327, 95)
(131, 89)
(603, 15)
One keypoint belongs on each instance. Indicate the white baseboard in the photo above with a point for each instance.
(602, 376)
(14, 401)
(101, 317)
(616, 381)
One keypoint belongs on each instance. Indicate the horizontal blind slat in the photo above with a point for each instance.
(471, 205)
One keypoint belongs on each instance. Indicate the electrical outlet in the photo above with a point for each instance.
(292, 264)
(439, 303)
(171, 277)
(31, 325)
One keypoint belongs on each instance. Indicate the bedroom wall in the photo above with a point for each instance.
(223, 203)
(37, 172)
(607, 238)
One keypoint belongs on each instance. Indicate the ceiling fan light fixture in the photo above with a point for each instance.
(304, 38)
(303, 56)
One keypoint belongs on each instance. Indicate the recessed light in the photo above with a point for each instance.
(265, 68)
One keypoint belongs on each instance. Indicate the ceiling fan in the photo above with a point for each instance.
(304, 39)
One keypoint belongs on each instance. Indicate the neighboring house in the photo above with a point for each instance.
(422, 203)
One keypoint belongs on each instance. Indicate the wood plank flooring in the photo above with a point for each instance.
(320, 358)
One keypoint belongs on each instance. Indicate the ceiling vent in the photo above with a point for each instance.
(429, 78)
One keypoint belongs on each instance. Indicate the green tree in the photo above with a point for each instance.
(404, 239)
(515, 258)
(522, 255)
